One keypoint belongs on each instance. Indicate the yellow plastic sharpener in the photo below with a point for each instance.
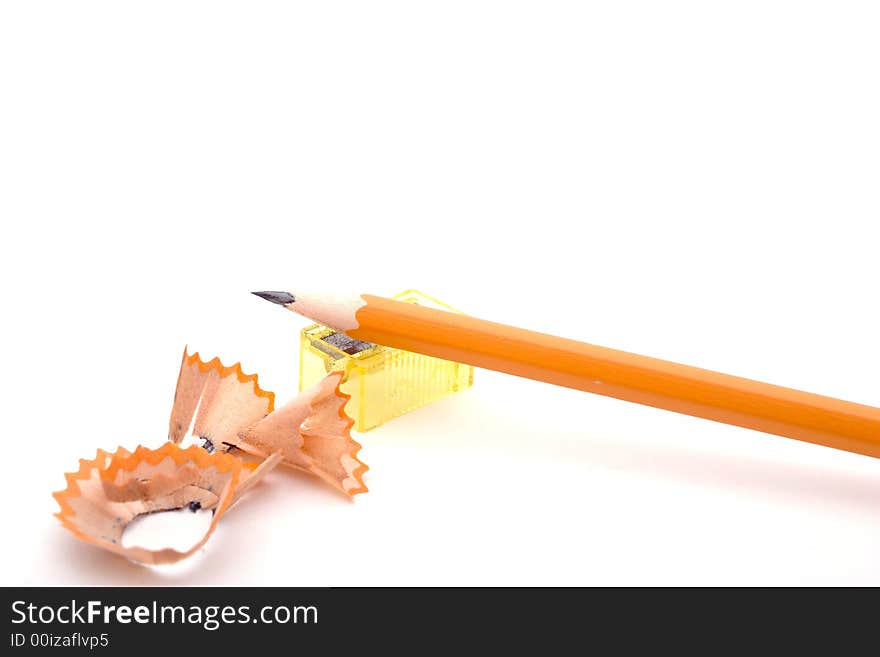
(383, 382)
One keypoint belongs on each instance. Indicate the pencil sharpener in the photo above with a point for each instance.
(383, 382)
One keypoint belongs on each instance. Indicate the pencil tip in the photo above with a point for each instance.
(281, 298)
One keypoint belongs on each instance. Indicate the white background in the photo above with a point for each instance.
(693, 181)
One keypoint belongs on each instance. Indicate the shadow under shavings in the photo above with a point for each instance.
(453, 428)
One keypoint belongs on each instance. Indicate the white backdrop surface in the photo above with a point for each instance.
(691, 181)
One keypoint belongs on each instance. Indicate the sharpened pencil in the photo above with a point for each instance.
(653, 382)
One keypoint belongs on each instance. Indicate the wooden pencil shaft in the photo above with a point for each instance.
(622, 375)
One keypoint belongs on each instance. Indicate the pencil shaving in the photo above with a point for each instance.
(313, 434)
(107, 493)
(227, 399)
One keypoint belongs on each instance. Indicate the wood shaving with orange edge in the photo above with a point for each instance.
(111, 490)
(227, 409)
(312, 431)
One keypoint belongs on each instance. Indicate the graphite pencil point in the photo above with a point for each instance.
(281, 298)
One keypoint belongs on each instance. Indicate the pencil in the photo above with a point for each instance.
(653, 382)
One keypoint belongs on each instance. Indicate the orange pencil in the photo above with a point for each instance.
(640, 379)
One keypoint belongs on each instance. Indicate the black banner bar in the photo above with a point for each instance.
(342, 621)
